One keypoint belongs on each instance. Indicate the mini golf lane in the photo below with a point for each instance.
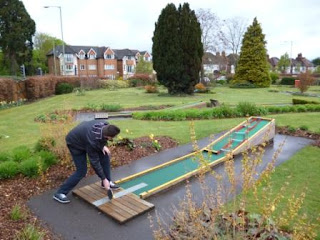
(163, 176)
(128, 201)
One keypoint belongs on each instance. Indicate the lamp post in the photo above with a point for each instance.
(63, 49)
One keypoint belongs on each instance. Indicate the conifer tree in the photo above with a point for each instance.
(253, 64)
(177, 49)
(16, 31)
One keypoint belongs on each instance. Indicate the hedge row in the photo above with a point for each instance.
(39, 87)
(242, 110)
(303, 101)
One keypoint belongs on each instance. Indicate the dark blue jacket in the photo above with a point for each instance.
(87, 136)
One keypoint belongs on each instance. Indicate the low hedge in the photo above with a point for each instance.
(303, 101)
(224, 111)
(287, 81)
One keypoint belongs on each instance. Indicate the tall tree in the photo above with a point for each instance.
(284, 63)
(253, 64)
(232, 34)
(16, 31)
(43, 43)
(144, 66)
(316, 61)
(177, 49)
(210, 32)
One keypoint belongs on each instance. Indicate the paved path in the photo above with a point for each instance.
(79, 220)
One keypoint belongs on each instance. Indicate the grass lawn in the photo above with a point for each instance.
(302, 171)
(18, 122)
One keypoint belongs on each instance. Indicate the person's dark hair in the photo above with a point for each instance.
(110, 131)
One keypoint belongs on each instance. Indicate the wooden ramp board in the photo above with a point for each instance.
(122, 208)
(101, 116)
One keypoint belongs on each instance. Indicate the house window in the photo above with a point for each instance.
(108, 67)
(146, 58)
(69, 67)
(129, 68)
(129, 57)
(82, 67)
(68, 57)
(92, 56)
(92, 67)
(109, 56)
(111, 77)
(82, 55)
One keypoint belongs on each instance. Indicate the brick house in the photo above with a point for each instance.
(102, 62)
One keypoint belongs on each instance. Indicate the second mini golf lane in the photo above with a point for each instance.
(150, 180)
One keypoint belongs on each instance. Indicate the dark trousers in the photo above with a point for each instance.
(80, 160)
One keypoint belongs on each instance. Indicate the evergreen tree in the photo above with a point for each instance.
(177, 49)
(16, 31)
(253, 64)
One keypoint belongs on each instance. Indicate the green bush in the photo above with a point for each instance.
(31, 166)
(139, 80)
(287, 81)
(247, 109)
(4, 156)
(274, 77)
(20, 153)
(41, 118)
(8, 169)
(45, 144)
(303, 101)
(291, 129)
(110, 107)
(63, 88)
(48, 159)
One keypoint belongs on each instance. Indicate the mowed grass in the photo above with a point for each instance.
(302, 172)
(18, 122)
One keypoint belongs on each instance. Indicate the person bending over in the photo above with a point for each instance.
(89, 138)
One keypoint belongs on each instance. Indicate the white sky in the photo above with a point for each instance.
(130, 23)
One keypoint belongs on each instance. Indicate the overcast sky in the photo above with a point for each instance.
(130, 23)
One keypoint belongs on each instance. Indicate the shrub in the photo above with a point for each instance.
(45, 144)
(287, 81)
(8, 169)
(247, 109)
(306, 80)
(63, 88)
(31, 167)
(139, 80)
(303, 101)
(21, 153)
(48, 159)
(110, 107)
(4, 156)
(151, 89)
(41, 118)
(274, 77)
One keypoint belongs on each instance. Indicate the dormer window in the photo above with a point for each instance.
(109, 56)
(82, 54)
(92, 54)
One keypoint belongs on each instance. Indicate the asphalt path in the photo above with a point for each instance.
(80, 220)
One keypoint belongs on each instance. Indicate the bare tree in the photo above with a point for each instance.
(210, 30)
(232, 33)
